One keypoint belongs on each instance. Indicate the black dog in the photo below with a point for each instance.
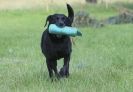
(55, 47)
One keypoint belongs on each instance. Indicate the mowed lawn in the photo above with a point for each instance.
(101, 61)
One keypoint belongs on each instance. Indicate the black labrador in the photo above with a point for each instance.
(55, 47)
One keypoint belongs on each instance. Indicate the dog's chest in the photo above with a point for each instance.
(58, 50)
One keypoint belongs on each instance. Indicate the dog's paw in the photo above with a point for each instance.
(63, 72)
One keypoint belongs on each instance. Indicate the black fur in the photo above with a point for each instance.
(55, 47)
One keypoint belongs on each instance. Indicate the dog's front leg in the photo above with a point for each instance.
(64, 71)
(49, 66)
(52, 66)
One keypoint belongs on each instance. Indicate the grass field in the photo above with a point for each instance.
(102, 60)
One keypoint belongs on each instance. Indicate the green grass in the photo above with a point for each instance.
(101, 60)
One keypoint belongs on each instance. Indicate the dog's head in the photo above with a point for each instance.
(60, 19)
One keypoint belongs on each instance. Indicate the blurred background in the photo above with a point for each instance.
(20, 4)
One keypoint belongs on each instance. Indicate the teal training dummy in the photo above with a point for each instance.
(70, 31)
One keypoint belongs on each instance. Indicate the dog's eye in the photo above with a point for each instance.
(57, 18)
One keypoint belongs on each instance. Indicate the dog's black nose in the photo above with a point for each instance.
(61, 25)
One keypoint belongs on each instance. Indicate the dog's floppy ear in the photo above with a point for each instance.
(70, 13)
(48, 19)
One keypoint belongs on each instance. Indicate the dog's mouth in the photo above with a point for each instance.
(59, 36)
(60, 25)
